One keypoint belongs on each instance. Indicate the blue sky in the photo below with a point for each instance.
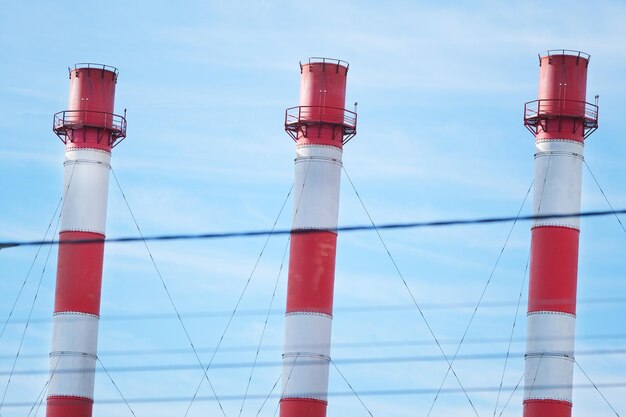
(440, 89)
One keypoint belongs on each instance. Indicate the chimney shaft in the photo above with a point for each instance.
(560, 120)
(320, 126)
(89, 130)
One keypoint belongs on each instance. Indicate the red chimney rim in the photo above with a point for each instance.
(91, 65)
(566, 52)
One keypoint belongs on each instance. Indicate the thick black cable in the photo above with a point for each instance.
(605, 197)
(167, 292)
(30, 269)
(267, 316)
(596, 388)
(406, 285)
(351, 388)
(241, 295)
(116, 387)
(356, 228)
(482, 295)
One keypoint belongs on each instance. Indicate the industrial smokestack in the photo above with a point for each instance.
(89, 130)
(560, 120)
(320, 126)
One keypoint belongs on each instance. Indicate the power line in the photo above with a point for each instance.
(304, 362)
(362, 309)
(367, 393)
(356, 228)
(336, 345)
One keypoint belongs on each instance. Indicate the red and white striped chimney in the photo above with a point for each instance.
(561, 120)
(89, 130)
(320, 126)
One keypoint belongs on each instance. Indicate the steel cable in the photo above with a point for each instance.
(596, 388)
(519, 381)
(167, 292)
(116, 387)
(480, 299)
(30, 269)
(508, 350)
(519, 299)
(351, 389)
(406, 285)
(43, 272)
(267, 316)
(230, 319)
(604, 195)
